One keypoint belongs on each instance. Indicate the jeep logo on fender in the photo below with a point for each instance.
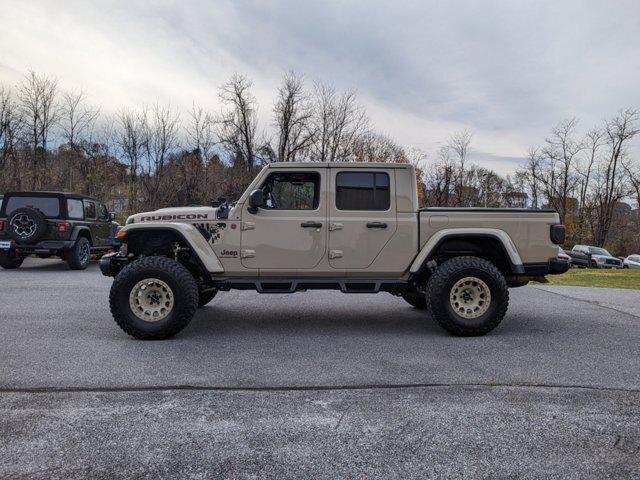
(182, 216)
(228, 254)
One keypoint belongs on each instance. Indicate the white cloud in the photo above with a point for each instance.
(507, 71)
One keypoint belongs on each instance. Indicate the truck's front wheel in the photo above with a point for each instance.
(468, 296)
(153, 298)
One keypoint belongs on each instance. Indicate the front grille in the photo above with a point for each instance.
(610, 261)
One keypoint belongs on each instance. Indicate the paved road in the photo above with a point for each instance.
(315, 384)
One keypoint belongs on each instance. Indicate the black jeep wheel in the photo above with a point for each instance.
(79, 257)
(206, 297)
(416, 299)
(10, 260)
(153, 298)
(26, 225)
(468, 296)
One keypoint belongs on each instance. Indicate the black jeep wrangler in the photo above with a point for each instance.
(68, 225)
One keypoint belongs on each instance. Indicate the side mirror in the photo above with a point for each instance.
(256, 200)
(219, 201)
(112, 216)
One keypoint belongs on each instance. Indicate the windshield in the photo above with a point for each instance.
(49, 206)
(598, 251)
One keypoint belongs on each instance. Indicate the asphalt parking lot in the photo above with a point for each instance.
(316, 384)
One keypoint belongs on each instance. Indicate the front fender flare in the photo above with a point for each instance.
(190, 235)
(441, 235)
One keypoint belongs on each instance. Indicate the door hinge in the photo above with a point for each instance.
(335, 226)
(335, 254)
(248, 226)
(247, 253)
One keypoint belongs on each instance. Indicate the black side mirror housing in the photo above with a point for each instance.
(256, 200)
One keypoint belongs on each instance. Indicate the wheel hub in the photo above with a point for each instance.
(24, 225)
(151, 300)
(470, 297)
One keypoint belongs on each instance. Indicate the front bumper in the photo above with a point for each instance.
(111, 263)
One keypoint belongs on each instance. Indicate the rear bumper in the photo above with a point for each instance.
(554, 266)
(44, 247)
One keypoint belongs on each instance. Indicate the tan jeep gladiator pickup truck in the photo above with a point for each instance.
(353, 227)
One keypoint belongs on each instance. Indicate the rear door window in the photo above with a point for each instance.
(49, 206)
(362, 191)
(75, 210)
(90, 210)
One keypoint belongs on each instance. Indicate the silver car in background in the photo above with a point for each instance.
(632, 261)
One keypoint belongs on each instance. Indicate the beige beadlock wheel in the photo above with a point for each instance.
(151, 300)
(470, 297)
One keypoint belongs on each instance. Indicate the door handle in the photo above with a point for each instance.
(376, 225)
(311, 225)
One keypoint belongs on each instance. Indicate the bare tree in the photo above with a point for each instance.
(292, 114)
(459, 144)
(237, 124)
(558, 176)
(11, 124)
(338, 121)
(131, 139)
(160, 141)
(373, 147)
(200, 132)
(37, 96)
(593, 142)
(611, 187)
(440, 179)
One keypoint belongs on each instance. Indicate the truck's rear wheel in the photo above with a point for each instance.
(153, 298)
(468, 296)
(416, 299)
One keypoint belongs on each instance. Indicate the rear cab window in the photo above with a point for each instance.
(363, 191)
(48, 206)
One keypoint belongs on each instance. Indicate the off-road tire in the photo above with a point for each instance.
(184, 290)
(37, 225)
(10, 261)
(440, 286)
(416, 300)
(206, 297)
(79, 256)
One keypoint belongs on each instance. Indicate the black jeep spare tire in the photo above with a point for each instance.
(27, 225)
(153, 298)
(468, 296)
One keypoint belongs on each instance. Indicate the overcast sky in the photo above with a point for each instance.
(506, 70)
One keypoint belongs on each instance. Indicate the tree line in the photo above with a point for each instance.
(151, 157)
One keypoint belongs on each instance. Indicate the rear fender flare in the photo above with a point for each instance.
(441, 235)
(190, 235)
(75, 233)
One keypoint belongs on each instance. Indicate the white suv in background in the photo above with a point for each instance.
(632, 261)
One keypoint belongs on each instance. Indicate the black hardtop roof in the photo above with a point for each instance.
(50, 194)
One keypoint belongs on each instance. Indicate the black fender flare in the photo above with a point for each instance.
(75, 233)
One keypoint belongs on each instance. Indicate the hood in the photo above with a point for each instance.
(176, 214)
